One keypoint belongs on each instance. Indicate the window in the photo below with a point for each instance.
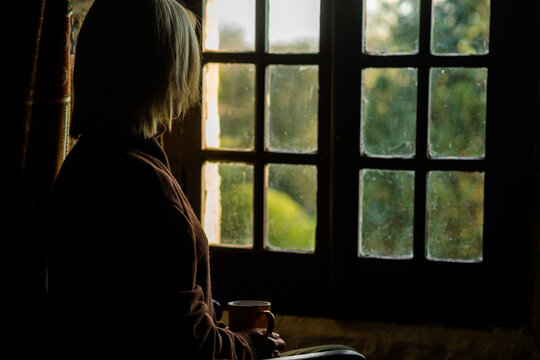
(351, 150)
(260, 144)
(422, 132)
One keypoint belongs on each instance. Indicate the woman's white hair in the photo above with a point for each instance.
(137, 66)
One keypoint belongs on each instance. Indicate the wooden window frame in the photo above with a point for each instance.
(258, 270)
(334, 281)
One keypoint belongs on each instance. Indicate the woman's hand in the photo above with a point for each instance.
(266, 346)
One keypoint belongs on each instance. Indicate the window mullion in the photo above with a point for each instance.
(421, 162)
(422, 113)
(425, 29)
(260, 87)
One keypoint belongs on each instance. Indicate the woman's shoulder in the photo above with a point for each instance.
(101, 165)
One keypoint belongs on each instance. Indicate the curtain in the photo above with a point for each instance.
(36, 87)
(45, 118)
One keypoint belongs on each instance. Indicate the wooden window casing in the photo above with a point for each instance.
(334, 281)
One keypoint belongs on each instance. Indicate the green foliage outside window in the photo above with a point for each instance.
(457, 109)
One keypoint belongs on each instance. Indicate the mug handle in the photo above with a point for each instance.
(270, 322)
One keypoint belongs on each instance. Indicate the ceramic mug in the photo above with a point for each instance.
(247, 314)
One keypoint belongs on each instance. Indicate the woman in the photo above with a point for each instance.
(130, 260)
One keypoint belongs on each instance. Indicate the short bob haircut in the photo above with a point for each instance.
(137, 67)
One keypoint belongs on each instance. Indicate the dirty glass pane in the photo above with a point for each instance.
(292, 100)
(460, 27)
(291, 207)
(387, 213)
(227, 215)
(229, 106)
(389, 112)
(293, 26)
(391, 26)
(455, 216)
(457, 125)
(229, 25)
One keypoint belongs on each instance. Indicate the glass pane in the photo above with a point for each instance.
(294, 26)
(391, 26)
(460, 27)
(291, 207)
(229, 105)
(455, 215)
(387, 213)
(389, 112)
(229, 25)
(457, 126)
(227, 214)
(292, 100)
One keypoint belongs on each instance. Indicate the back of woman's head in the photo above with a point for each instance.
(137, 65)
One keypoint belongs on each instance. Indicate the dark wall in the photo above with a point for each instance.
(536, 217)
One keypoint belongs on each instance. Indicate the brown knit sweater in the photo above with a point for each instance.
(130, 271)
